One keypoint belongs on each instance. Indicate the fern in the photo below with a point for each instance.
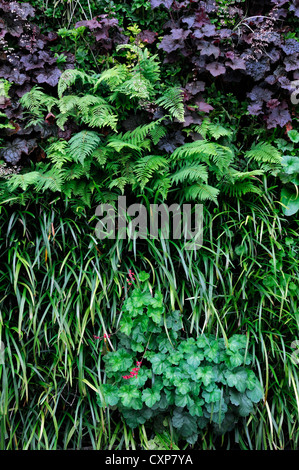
(58, 153)
(204, 151)
(146, 166)
(119, 183)
(136, 87)
(138, 135)
(119, 144)
(190, 172)
(203, 192)
(212, 130)
(83, 144)
(69, 77)
(172, 100)
(52, 180)
(38, 103)
(264, 152)
(157, 133)
(112, 77)
(240, 188)
(100, 116)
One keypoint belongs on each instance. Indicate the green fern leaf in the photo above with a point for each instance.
(172, 100)
(83, 144)
(146, 166)
(264, 152)
(201, 191)
(190, 172)
(69, 77)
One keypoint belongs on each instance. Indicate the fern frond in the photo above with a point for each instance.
(74, 172)
(201, 191)
(69, 77)
(85, 102)
(119, 145)
(119, 183)
(100, 116)
(162, 185)
(138, 135)
(240, 175)
(136, 87)
(23, 181)
(113, 77)
(172, 100)
(264, 152)
(52, 179)
(83, 144)
(58, 153)
(213, 130)
(191, 172)
(146, 166)
(100, 155)
(240, 188)
(80, 189)
(37, 102)
(157, 133)
(203, 150)
(68, 103)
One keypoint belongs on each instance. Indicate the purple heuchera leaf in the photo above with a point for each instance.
(206, 30)
(237, 63)
(208, 49)
(260, 94)
(17, 78)
(13, 151)
(295, 8)
(216, 69)
(270, 79)
(273, 103)
(279, 3)
(224, 33)
(279, 116)
(257, 69)
(170, 142)
(291, 62)
(291, 46)
(256, 108)
(23, 10)
(166, 3)
(204, 107)
(147, 36)
(191, 118)
(189, 20)
(285, 83)
(91, 24)
(178, 34)
(195, 87)
(174, 41)
(51, 77)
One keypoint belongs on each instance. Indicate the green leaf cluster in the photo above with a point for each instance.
(195, 382)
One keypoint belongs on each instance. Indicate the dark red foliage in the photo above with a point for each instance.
(105, 31)
(25, 60)
(255, 55)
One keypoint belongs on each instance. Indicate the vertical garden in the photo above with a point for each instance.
(135, 341)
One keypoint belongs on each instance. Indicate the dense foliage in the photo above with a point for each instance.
(163, 102)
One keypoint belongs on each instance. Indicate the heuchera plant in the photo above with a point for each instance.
(193, 382)
(249, 47)
(25, 60)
